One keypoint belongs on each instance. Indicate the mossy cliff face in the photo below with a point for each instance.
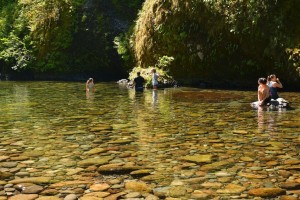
(60, 39)
(218, 39)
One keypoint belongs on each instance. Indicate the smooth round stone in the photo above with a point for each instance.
(4, 175)
(222, 174)
(133, 195)
(48, 198)
(9, 189)
(99, 187)
(24, 197)
(22, 174)
(267, 192)
(71, 197)
(255, 168)
(9, 164)
(177, 183)
(2, 158)
(33, 189)
(8, 185)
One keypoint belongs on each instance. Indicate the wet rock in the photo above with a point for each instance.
(2, 158)
(34, 189)
(177, 191)
(211, 185)
(36, 180)
(95, 151)
(285, 197)
(152, 197)
(48, 198)
(198, 158)
(118, 168)
(284, 173)
(19, 158)
(99, 187)
(242, 132)
(68, 184)
(5, 175)
(22, 174)
(100, 128)
(94, 195)
(232, 189)
(162, 191)
(121, 141)
(194, 180)
(114, 196)
(2, 182)
(95, 161)
(196, 132)
(292, 162)
(266, 192)
(137, 186)
(133, 195)
(71, 197)
(295, 167)
(246, 159)
(141, 172)
(71, 172)
(252, 176)
(177, 183)
(49, 192)
(8, 164)
(217, 165)
(290, 186)
(33, 153)
(24, 197)
(154, 177)
(202, 194)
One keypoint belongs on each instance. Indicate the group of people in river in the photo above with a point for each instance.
(138, 82)
(267, 89)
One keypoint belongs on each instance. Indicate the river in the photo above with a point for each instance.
(183, 143)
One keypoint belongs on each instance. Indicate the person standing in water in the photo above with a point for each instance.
(274, 83)
(139, 83)
(154, 79)
(263, 92)
(90, 86)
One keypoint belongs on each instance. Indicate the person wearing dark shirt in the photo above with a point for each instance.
(139, 82)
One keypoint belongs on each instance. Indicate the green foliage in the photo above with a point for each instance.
(14, 52)
(294, 58)
(218, 39)
(161, 68)
(64, 35)
(164, 62)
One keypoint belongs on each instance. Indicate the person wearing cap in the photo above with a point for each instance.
(90, 86)
(139, 83)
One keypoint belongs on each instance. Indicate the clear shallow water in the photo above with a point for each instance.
(51, 126)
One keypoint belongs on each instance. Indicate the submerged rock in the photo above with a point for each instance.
(267, 192)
